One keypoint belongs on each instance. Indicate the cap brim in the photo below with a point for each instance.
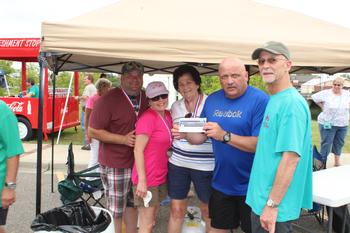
(256, 53)
(161, 93)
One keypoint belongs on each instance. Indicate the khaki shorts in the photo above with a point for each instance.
(159, 193)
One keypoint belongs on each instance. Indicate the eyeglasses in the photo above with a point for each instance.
(337, 85)
(270, 60)
(156, 98)
(189, 115)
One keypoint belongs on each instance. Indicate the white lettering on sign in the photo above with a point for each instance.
(16, 106)
(20, 43)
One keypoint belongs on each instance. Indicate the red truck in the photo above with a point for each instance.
(26, 109)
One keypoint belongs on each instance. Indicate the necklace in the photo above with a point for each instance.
(133, 105)
(196, 107)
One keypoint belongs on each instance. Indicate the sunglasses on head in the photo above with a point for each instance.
(270, 60)
(158, 97)
(188, 115)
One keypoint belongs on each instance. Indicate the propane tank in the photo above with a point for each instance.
(193, 222)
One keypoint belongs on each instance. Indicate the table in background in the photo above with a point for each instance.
(331, 187)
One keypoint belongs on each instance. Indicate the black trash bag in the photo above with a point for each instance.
(72, 218)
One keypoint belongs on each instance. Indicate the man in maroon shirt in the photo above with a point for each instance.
(112, 122)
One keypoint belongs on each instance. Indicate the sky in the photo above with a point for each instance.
(22, 18)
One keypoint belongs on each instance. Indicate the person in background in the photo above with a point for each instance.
(103, 75)
(234, 115)
(32, 89)
(112, 122)
(10, 149)
(153, 140)
(333, 121)
(89, 90)
(103, 85)
(280, 183)
(188, 163)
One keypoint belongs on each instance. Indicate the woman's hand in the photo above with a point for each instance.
(141, 189)
(175, 132)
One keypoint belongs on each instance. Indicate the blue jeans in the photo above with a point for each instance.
(332, 138)
(82, 124)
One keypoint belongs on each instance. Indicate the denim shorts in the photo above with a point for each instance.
(332, 139)
(179, 182)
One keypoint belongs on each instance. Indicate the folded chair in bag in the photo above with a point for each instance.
(79, 183)
(318, 163)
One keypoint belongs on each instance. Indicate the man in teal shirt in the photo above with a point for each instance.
(10, 149)
(281, 179)
(32, 89)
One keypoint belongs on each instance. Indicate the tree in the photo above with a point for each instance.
(256, 81)
(11, 79)
(210, 84)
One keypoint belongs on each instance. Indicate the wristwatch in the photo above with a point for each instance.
(271, 203)
(10, 185)
(227, 137)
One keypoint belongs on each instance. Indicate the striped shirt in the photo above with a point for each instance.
(198, 157)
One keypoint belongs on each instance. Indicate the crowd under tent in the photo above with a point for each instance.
(163, 34)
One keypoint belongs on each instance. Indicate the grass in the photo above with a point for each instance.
(66, 137)
(70, 135)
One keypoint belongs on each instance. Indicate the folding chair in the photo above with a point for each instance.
(81, 182)
(319, 163)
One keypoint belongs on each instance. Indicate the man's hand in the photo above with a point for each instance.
(268, 219)
(176, 134)
(213, 130)
(130, 138)
(8, 197)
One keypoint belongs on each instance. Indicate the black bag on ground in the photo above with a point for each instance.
(71, 218)
(338, 217)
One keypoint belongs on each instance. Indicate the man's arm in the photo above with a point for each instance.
(108, 137)
(284, 176)
(9, 195)
(244, 143)
(87, 118)
(29, 94)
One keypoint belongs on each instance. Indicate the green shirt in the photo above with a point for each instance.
(286, 127)
(10, 144)
(35, 90)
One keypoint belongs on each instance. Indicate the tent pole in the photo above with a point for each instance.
(40, 139)
(53, 128)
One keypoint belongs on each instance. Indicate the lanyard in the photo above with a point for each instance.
(166, 125)
(197, 105)
(132, 105)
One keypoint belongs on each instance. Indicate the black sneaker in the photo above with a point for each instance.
(86, 147)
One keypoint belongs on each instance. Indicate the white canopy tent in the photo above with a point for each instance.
(164, 33)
